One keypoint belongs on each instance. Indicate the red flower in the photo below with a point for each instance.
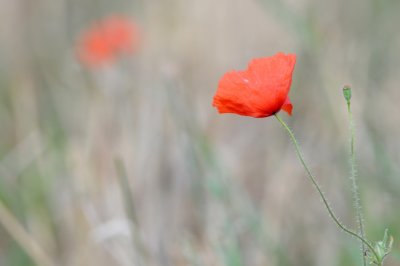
(259, 91)
(105, 40)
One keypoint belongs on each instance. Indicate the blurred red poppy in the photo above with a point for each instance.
(259, 91)
(107, 39)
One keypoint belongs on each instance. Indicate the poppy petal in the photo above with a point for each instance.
(259, 91)
(287, 106)
(108, 38)
(232, 94)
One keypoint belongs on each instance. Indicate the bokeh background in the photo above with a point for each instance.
(129, 164)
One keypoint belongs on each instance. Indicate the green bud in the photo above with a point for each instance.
(347, 93)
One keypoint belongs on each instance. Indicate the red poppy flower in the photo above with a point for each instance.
(259, 91)
(107, 39)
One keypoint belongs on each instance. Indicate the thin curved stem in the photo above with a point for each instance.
(312, 179)
(356, 197)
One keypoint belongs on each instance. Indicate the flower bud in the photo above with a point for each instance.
(347, 93)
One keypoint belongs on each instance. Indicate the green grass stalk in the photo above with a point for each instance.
(23, 238)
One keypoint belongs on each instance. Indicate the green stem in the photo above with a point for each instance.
(356, 198)
(312, 179)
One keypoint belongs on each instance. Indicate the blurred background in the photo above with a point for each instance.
(127, 162)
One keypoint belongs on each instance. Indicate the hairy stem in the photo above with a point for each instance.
(325, 201)
(356, 198)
